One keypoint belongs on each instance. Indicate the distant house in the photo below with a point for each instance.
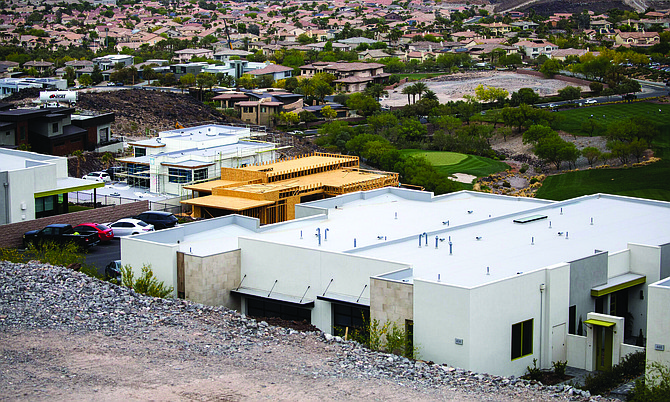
(637, 38)
(276, 71)
(53, 131)
(535, 48)
(109, 62)
(350, 77)
(182, 56)
(373, 54)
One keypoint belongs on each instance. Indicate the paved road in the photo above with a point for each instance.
(103, 253)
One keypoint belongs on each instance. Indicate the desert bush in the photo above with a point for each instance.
(146, 284)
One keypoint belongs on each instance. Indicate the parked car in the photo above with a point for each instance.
(113, 271)
(129, 226)
(590, 101)
(61, 234)
(98, 176)
(105, 233)
(159, 219)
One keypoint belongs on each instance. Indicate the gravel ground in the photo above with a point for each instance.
(453, 87)
(65, 336)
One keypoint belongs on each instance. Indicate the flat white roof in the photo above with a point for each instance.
(11, 159)
(239, 148)
(481, 227)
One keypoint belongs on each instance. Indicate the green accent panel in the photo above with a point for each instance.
(69, 189)
(599, 323)
(616, 288)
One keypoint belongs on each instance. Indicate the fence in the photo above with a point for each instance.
(171, 205)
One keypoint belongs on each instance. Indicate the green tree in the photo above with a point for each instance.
(591, 126)
(570, 93)
(96, 75)
(490, 94)
(246, 81)
(85, 80)
(553, 149)
(592, 154)
(289, 118)
(363, 104)
(596, 87)
(550, 67)
(376, 91)
(537, 132)
(524, 95)
(328, 113)
(69, 75)
(186, 81)
(381, 122)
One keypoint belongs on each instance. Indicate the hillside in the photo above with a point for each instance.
(549, 7)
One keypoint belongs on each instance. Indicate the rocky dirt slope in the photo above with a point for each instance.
(66, 336)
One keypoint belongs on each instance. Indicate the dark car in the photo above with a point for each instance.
(113, 271)
(160, 219)
(60, 234)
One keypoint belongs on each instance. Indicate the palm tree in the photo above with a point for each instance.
(80, 158)
(408, 90)
(420, 88)
(430, 95)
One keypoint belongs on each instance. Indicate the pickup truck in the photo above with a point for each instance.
(60, 233)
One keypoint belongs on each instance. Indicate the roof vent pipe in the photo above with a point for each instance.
(592, 221)
(426, 234)
(566, 235)
(437, 239)
(354, 242)
(450, 249)
(549, 224)
(487, 271)
(301, 234)
(396, 215)
(325, 234)
(318, 234)
(532, 241)
(561, 211)
(420, 236)
(438, 277)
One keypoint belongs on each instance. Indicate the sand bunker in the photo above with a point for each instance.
(453, 87)
(463, 178)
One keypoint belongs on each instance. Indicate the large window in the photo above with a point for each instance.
(200, 174)
(349, 316)
(257, 307)
(522, 339)
(179, 175)
(140, 152)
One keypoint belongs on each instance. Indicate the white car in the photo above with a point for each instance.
(590, 101)
(98, 176)
(130, 226)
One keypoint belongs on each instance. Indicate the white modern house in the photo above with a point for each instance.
(9, 86)
(35, 185)
(487, 283)
(165, 164)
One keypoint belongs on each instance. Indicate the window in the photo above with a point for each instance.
(200, 174)
(349, 316)
(572, 312)
(140, 152)
(257, 307)
(22, 133)
(264, 109)
(522, 339)
(287, 73)
(55, 128)
(179, 175)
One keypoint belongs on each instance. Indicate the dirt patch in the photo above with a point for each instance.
(454, 87)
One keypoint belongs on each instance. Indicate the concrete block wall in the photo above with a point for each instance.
(208, 280)
(391, 301)
(12, 234)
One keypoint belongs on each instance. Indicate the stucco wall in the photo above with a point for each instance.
(584, 275)
(208, 280)
(665, 261)
(658, 328)
(391, 301)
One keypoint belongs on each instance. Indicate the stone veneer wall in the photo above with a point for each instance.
(208, 280)
(391, 301)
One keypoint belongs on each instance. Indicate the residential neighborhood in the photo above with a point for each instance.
(464, 198)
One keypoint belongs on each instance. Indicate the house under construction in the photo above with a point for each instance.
(269, 191)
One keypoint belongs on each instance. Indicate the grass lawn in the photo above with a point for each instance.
(452, 162)
(649, 181)
(644, 182)
(607, 114)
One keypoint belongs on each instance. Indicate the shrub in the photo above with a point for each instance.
(655, 387)
(533, 180)
(524, 168)
(506, 184)
(630, 367)
(559, 367)
(533, 373)
(146, 284)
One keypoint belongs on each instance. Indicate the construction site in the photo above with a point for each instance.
(269, 191)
